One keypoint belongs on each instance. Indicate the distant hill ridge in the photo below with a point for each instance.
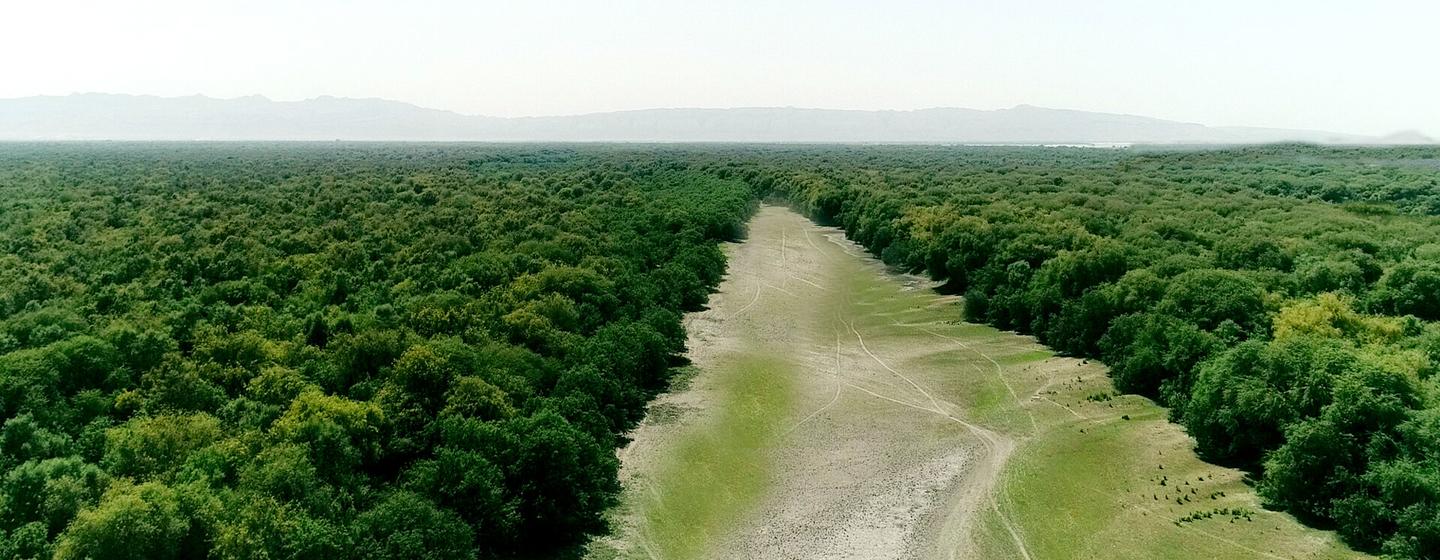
(96, 116)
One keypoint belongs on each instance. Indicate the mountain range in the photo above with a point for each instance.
(96, 116)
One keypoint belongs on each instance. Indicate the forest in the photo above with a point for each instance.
(308, 351)
(433, 350)
(1281, 301)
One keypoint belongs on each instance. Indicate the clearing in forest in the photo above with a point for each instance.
(837, 410)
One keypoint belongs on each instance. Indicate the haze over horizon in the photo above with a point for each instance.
(97, 116)
(1284, 64)
(322, 97)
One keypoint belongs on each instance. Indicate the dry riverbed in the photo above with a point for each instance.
(836, 410)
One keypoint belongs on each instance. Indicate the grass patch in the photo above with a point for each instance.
(1127, 484)
(1024, 357)
(720, 468)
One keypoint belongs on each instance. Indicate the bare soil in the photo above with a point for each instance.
(838, 410)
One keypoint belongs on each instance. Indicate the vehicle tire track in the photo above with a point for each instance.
(999, 373)
(839, 386)
(998, 448)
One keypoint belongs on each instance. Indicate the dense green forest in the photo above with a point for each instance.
(431, 351)
(312, 351)
(1281, 301)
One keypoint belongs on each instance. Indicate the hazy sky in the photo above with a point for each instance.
(1353, 66)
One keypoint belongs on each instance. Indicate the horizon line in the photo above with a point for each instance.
(1431, 139)
(1016, 106)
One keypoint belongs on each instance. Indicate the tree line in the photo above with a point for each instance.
(1280, 300)
(316, 351)
(433, 350)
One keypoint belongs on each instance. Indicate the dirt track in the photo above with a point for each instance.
(869, 459)
(838, 410)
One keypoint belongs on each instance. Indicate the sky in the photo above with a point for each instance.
(1358, 67)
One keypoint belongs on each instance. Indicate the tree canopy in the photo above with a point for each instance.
(1278, 299)
(321, 351)
(432, 350)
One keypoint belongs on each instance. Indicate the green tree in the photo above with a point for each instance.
(149, 521)
(405, 526)
(157, 446)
